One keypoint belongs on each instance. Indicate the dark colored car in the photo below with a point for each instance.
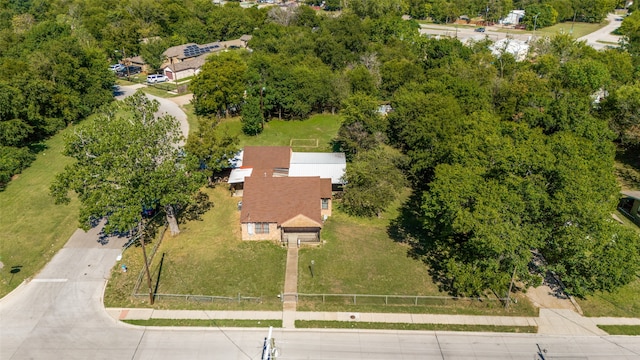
(132, 70)
(480, 29)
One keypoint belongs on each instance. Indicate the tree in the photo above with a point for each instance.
(252, 118)
(127, 160)
(373, 181)
(362, 128)
(539, 16)
(152, 53)
(212, 145)
(219, 88)
(630, 29)
(622, 107)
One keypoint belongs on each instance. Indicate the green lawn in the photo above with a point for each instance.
(314, 134)
(403, 326)
(32, 227)
(206, 323)
(621, 329)
(206, 258)
(360, 258)
(577, 30)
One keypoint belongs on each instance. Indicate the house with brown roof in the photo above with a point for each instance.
(277, 204)
(285, 208)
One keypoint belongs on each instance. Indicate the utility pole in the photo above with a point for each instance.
(535, 22)
(146, 262)
(511, 286)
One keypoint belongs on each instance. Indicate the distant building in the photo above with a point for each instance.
(513, 18)
(517, 48)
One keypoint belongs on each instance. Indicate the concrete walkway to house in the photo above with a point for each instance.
(290, 297)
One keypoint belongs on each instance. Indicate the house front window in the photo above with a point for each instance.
(325, 204)
(262, 228)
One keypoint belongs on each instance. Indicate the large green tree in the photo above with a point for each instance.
(127, 160)
(219, 88)
(373, 180)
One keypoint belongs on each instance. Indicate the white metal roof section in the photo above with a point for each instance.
(326, 165)
(238, 175)
(236, 162)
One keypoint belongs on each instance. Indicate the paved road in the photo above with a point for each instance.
(604, 34)
(464, 33)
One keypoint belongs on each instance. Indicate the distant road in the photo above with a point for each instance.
(465, 32)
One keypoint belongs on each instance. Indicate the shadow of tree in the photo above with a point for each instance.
(408, 228)
(194, 211)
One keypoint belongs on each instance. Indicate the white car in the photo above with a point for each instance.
(116, 67)
(156, 78)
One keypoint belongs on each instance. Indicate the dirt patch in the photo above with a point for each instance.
(182, 100)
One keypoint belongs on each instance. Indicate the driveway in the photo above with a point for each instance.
(167, 106)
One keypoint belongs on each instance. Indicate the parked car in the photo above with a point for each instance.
(156, 78)
(129, 70)
(116, 67)
(480, 29)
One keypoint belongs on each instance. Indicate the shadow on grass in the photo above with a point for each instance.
(155, 290)
(194, 211)
(408, 228)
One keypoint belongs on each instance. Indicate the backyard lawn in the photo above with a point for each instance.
(314, 134)
(32, 227)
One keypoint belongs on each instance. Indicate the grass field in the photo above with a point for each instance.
(207, 258)
(576, 30)
(32, 227)
(402, 326)
(206, 323)
(360, 258)
(321, 127)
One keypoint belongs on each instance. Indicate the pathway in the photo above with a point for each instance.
(289, 300)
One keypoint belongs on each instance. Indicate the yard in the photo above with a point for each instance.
(314, 134)
(32, 227)
(207, 258)
(359, 257)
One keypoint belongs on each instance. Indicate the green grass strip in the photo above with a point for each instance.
(401, 326)
(206, 323)
(621, 329)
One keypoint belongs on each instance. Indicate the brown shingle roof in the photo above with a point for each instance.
(278, 199)
(264, 159)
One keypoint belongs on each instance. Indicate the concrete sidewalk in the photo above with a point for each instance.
(549, 321)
